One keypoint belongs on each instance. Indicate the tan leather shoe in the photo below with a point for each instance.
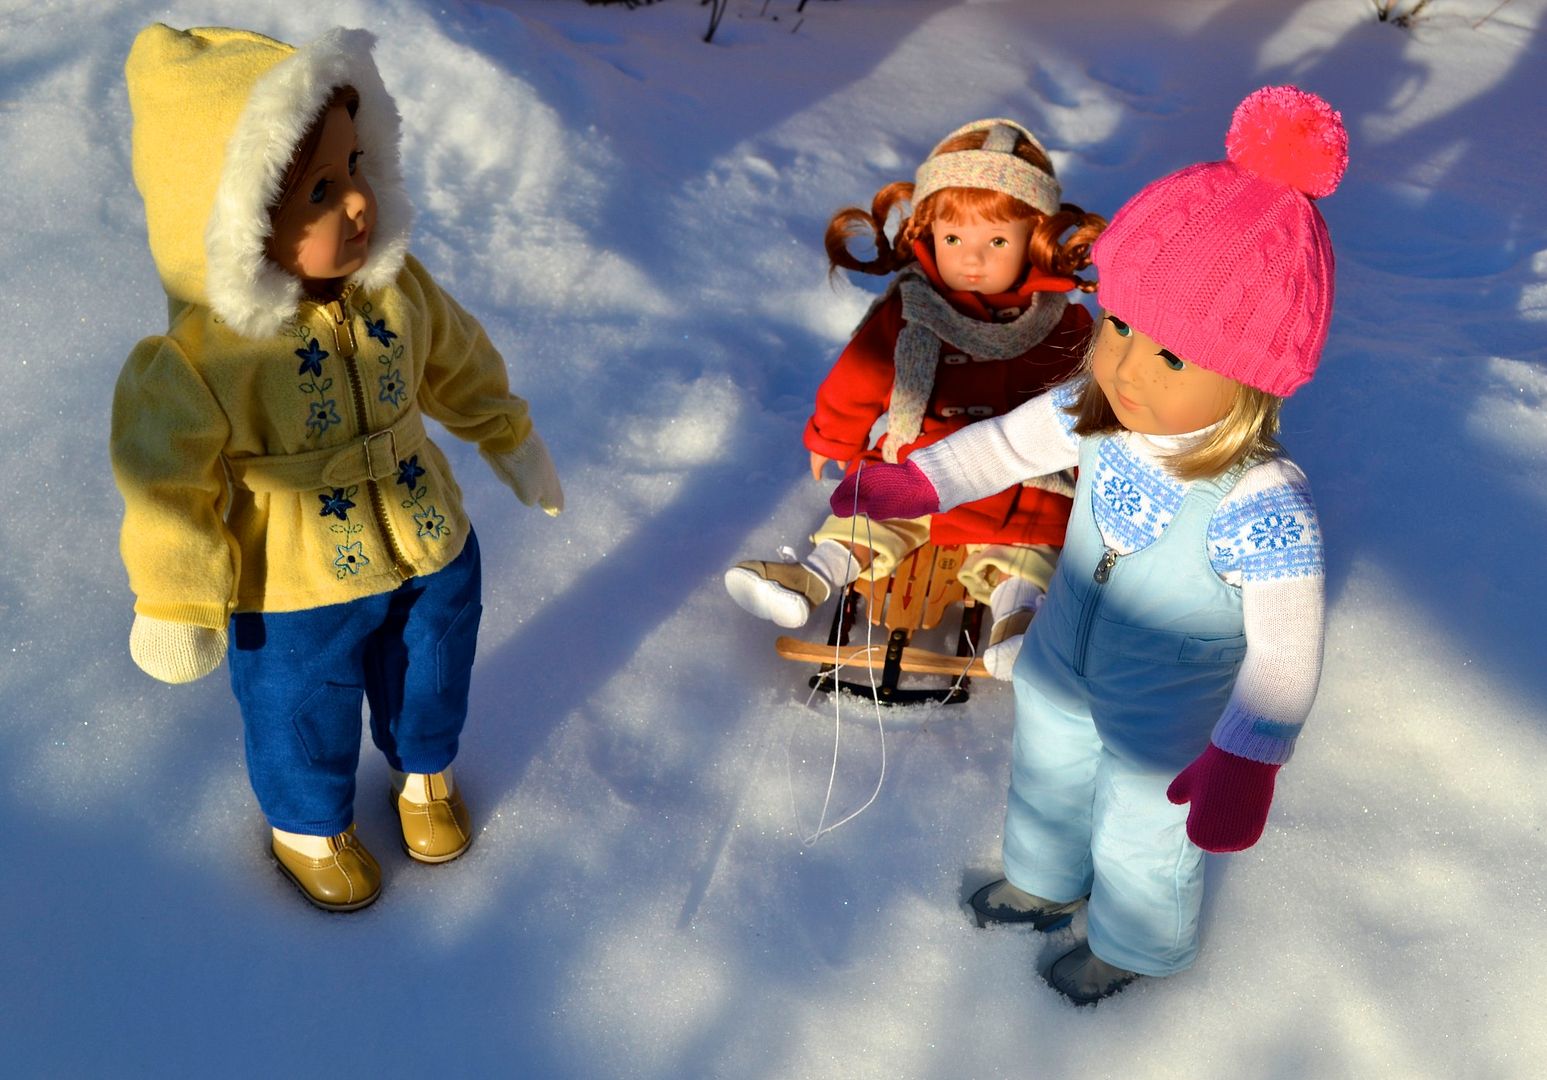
(437, 830)
(346, 880)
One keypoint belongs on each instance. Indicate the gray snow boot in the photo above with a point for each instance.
(1001, 902)
(1084, 978)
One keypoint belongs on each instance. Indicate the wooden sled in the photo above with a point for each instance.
(916, 597)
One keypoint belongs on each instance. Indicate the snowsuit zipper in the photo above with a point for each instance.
(1092, 602)
(341, 320)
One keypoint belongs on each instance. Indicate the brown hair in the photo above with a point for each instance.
(301, 157)
(1047, 251)
(1246, 434)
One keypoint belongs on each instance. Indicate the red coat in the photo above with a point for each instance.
(858, 391)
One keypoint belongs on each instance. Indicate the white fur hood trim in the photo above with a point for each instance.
(254, 296)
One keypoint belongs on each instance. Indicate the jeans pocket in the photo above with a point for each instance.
(454, 652)
(327, 724)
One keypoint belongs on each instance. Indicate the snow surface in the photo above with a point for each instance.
(637, 216)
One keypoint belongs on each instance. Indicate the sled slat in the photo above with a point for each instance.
(917, 661)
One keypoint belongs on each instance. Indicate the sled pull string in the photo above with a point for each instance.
(875, 692)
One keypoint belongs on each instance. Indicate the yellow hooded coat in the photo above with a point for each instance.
(270, 449)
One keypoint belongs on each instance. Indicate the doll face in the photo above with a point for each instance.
(980, 256)
(322, 231)
(1151, 389)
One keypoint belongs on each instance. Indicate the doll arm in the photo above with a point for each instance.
(1267, 533)
(465, 383)
(986, 457)
(979, 460)
(467, 389)
(166, 440)
(858, 388)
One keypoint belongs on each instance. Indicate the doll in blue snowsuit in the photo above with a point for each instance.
(1165, 679)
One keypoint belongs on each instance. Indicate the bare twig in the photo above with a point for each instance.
(1496, 9)
(716, 13)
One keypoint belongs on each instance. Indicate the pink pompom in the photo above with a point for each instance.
(1289, 136)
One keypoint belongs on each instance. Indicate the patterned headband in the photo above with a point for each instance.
(993, 168)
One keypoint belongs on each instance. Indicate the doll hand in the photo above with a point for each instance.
(1230, 797)
(528, 471)
(886, 491)
(175, 652)
(818, 463)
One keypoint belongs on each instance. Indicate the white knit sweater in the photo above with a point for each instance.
(1264, 538)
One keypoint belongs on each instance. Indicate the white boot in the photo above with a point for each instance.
(784, 593)
(1013, 603)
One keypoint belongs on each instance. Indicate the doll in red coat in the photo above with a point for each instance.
(975, 321)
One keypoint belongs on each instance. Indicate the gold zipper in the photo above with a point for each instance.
(341, 321)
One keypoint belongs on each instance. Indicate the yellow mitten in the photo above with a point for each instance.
(175, 652)
(528, 471)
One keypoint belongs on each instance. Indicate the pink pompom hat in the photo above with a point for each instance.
(1228, 263)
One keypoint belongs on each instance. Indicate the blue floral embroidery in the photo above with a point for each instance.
(351, 557)
(409, 472)
(377, 328)
(323, 412)
(311, 359)
(393, 389)
(338, 504)
(431, 523)
(324, 415)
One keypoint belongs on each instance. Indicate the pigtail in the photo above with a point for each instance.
(1052, 253)
(852, 222)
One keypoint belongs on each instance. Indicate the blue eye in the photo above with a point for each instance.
(319, 192)
(353, 159)
(1173, 361)
(1122, 328)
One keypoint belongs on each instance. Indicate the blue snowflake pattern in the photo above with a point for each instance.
(311, 359)
(409, 472)
(338, 504)
(1270, 535)
(1137, 500)
(377, 328)
(324, 415)
(393, 389)
(351, 557)
(1121, 496)
(1276, 531)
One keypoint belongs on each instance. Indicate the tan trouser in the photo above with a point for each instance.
(986, 564)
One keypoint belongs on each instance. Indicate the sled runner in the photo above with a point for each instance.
(914, 598)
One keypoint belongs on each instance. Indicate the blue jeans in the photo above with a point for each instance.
(299, 677)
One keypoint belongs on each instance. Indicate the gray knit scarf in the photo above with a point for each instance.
(931, 320)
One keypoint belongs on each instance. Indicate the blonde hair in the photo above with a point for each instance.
(1048, 248)
(1247, 433)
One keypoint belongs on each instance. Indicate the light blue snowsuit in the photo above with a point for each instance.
(1118, 686)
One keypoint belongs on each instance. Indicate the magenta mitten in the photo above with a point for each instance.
(1230, 796)
(886, 491)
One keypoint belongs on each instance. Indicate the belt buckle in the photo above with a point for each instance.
(372, 442)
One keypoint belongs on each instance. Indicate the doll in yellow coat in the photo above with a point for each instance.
(270, 446)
